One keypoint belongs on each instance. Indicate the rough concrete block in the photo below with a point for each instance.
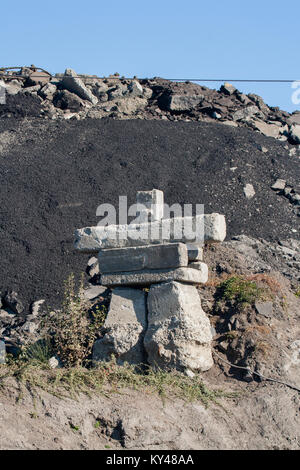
(124, 328)
(179, 333)
(184, 102)
(209, 228)
(74, 84)
(148, 277)
(195, 252)
(136, 258)
(153, 202)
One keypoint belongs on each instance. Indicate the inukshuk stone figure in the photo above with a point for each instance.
(163, 325)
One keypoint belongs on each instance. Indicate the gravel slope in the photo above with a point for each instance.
(55, 174)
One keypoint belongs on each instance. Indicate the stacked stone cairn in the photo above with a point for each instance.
(155, 314)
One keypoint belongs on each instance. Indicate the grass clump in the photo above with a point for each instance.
(107, 378)
(240, 291)
(40, 351)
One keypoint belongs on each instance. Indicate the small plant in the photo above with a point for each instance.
(108, 376)
(73, 328)
(40, 351)
(230, 335)
(297, 293)
(73, 426)
(239, 290)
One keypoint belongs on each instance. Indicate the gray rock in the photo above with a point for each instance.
(130, 105)
(7, 316)
(30, 90)
(269, 130)
(245, 113)
(264, 308)
(48, 91)
(230, 123)
(295, 199)
(294, 134)
(287, 190)
(67, 100)
(93, 292)
(135, 88)
(2, 352)
(29, 327)
(262, 148)
(249, 191)
(189, 373)
(184, 102)
(216, 115)
(137, 258)
(116, 92)
(92, 267)
(13, 87)
(12, 301)
(148, 93)
(148, 277)
(35, 307)
(243, 98)
(227, 89)
(54, 362)
(124, 327)
(92, 260)
(100, 87)
(178, 335)
(294, 118)
(74, 84)
(279, 185)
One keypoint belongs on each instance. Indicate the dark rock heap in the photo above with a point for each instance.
(69, 96)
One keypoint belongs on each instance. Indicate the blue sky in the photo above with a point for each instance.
(166, 38)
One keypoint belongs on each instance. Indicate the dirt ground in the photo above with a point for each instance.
(263, 416)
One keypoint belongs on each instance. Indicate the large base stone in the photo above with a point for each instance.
(179, 332)
(137, 258)
(148, 277)
(124, 328)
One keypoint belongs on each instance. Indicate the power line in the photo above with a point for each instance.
(6, 76)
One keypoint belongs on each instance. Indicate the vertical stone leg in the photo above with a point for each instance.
(179, 334)
(124, 328)
(153, 203)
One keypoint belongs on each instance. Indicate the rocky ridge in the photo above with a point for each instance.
(70, 96)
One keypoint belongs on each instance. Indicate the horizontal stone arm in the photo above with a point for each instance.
(209, 228)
